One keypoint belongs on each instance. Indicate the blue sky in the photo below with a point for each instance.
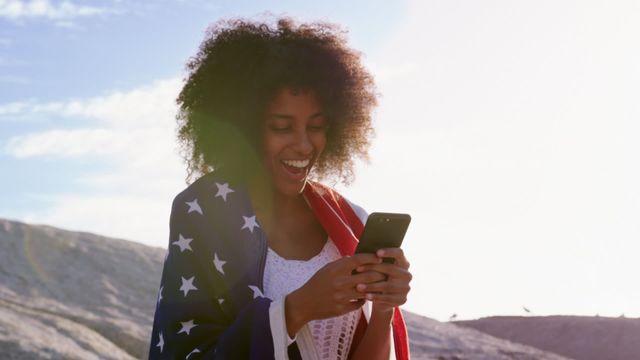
(508, 130)
(51, 55)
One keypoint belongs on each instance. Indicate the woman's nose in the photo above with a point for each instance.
(303, 143)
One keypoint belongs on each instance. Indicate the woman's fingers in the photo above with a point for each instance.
(349, 281)
(341, 289)
(349, 295)
(366, 277)
(385, 287)
(361, 259)
(347, 264)
(392, 292)
(395, 253)
(393, 270)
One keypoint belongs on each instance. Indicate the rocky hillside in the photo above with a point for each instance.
(579, 337)
(74, 295)
(77, 295)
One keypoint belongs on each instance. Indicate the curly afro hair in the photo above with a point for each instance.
(235, 74)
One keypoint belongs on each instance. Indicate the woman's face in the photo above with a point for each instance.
(294, 134)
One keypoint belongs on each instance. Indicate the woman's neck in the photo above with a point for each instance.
(274, 209)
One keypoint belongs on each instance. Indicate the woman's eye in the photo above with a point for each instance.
(318, 127)
(281, 129)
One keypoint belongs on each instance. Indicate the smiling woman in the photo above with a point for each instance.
(261, 257)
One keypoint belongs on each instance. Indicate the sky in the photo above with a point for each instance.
(507, 129)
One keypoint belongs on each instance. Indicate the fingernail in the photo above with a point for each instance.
(380, 252)
(361, 287)
(369, 296)
(360, 269)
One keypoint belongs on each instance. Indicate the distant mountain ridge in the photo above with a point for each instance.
(78, 295)
(579, 337)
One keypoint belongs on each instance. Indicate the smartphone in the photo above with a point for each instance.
(383, 230)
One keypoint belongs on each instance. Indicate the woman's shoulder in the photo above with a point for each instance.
(201, 186)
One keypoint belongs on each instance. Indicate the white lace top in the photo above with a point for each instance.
(332, 337)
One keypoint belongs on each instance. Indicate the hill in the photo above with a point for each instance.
(578, 337)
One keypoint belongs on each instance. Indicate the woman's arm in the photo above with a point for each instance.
(376, 341)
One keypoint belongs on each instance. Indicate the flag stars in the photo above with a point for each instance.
(223, 190)
(249, 223)
(187, 285)
(183, 243)
(160, 293)
(194, 206)
(218, 263)
(161, 343)
(195, 351)
(187, 326)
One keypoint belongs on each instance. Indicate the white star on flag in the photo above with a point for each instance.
(187, 326)
(220, 301)
(161, 343)
(160, 293)
(223, 190)
(249, 223)
(218, 263)
(187, 285)
(183, 243)
(256, 291)
(194, 206)
(195, 351)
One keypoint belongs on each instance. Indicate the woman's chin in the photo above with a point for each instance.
(288, 187)
(290, 183)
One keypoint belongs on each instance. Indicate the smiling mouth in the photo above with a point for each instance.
(297, 163)
(296, 168)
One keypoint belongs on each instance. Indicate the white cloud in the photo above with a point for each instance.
(133, 130)
(60, 11)
(118, 110)
(13, 108)
(67, 143)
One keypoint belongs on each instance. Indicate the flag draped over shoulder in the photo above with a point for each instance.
(210, 303)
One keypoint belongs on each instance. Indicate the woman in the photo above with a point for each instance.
(260, 261)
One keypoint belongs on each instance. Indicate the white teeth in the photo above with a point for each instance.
(296, 163)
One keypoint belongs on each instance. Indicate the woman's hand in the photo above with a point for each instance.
(388, 294)
(331, 291)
